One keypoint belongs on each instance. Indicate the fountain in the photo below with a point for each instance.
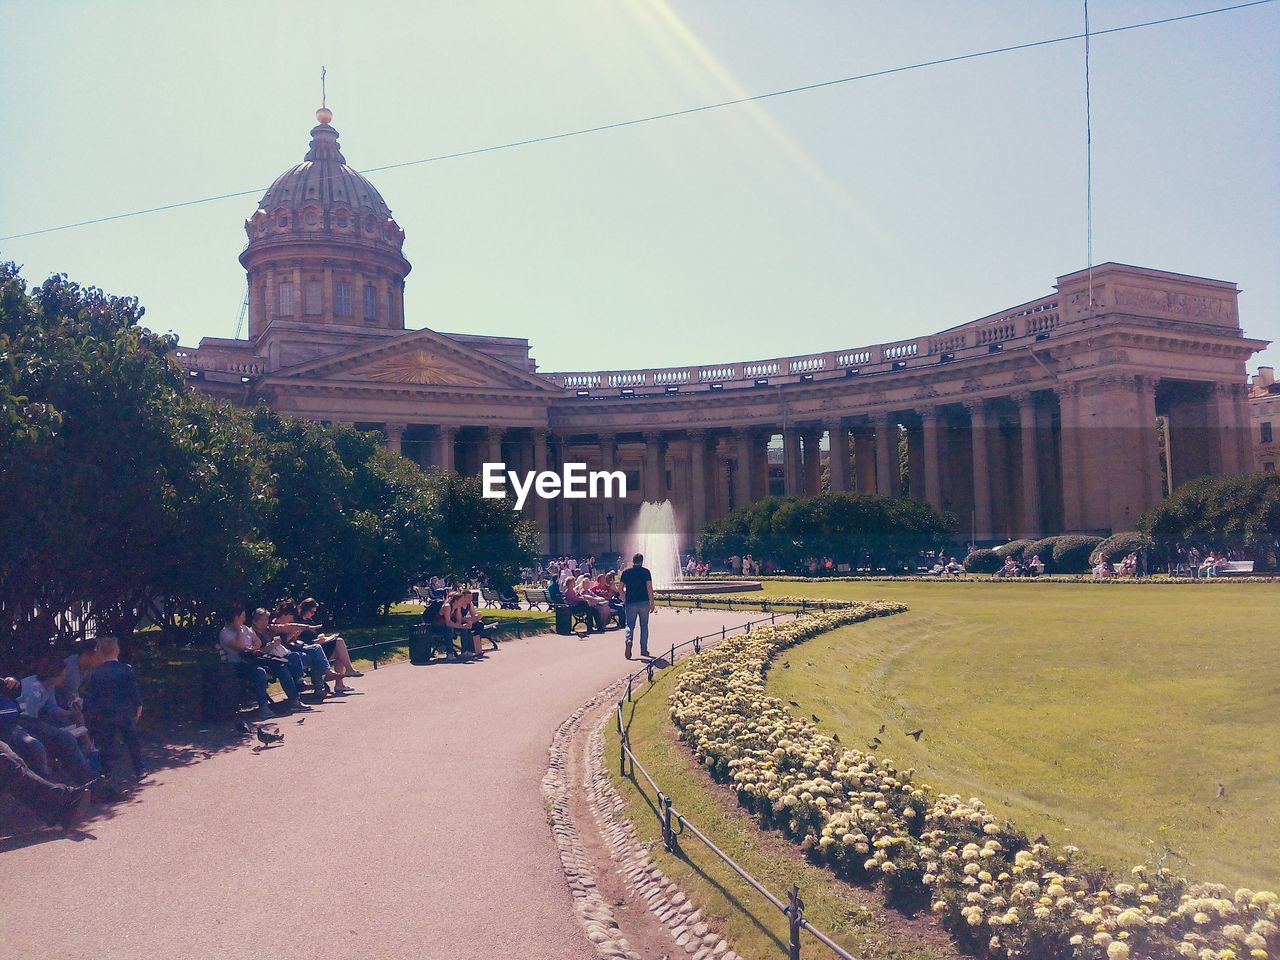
(655, 536)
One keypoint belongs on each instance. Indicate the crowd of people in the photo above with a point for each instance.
(601, 596)
(289, 646)
(59, 728)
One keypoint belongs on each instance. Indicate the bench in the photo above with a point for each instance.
(492, 598)
(537, 599)
(1234, 568)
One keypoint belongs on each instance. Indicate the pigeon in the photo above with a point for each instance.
(915, 734)
(266, 737)
(793, 703)
(242, 728)
(814, 718)
(786, 665)
(835, 737)
(881, 730)
(301, 721)
(1222, 791)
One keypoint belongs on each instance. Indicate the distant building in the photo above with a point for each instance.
(1038, 419)
(1264, 418)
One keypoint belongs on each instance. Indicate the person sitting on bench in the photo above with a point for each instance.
(577, 602)
(236, 644)
(467, 621)
(47, 722)
(435, 614)
(54, 803)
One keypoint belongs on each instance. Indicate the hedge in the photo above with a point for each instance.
(1119, 545)
(1014, 548)
(1071, 553)
(983, 561)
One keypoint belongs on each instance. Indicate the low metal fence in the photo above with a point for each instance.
(674, 824)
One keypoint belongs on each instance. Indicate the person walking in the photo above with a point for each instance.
(637, 602)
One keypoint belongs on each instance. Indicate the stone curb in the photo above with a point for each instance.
(690, 932)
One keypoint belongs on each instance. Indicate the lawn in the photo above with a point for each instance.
(1101, 715)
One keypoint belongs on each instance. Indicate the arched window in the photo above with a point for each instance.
(370, 303)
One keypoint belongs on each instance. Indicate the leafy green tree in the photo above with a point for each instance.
(858, 529)
(1238, 513)
(109, 484)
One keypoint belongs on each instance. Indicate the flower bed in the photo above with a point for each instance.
(1000, 894)
(1158, 580)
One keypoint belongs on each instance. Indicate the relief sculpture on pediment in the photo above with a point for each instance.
(420, 367)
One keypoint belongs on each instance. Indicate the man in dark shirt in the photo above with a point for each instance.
(114, 705)
(637, 601)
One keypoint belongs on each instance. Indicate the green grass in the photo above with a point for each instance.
(754, 927)
(1103, 716)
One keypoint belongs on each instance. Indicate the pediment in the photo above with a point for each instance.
(420, 358)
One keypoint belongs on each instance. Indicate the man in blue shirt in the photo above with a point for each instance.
(113, 705)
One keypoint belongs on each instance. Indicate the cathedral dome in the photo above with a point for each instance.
(323, 176)
(323, 249)
(323, 195)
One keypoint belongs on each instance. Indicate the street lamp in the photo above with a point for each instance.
(609, 520)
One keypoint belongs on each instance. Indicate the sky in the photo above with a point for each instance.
(855, 214)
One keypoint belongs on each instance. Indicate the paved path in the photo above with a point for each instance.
(404, 822)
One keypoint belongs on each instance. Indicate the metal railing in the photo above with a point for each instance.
(674, 824)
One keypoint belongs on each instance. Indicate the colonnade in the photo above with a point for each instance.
(1087, 455)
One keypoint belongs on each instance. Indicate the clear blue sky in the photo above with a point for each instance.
(866, 212)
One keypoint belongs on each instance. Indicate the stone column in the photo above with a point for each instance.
(328, 301)
(812, 440)
(608, 450)
(395, 436)
(1071, 435)
(979, 420)
(929, 426)
(1027, 435)
(742, 469)
(445, 437)
(697, 481)
(791, 461)
(299, 295)
(1224, 447)
(493, 445)
(838, 461)
(564, 508)
(864, 457)
(655, 468)
(541, 513)
(888, 476)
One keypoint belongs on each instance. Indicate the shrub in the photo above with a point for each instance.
(1044, 550)
(1014, 548)
(983, 561)
(1071, 553)
(1119, 545)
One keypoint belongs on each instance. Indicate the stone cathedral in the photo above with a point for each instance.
(1042, 418)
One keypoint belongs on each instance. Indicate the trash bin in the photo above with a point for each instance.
(420, 644)
(564, 620)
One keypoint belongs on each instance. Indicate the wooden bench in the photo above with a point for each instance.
(492, 598)
(537, 599)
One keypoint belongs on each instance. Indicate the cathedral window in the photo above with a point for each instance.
(342, 299)
(286, 299)
(370, 303)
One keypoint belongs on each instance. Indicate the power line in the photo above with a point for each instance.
(653, 118)
(1088, 157)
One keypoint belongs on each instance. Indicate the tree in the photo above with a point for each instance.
(114, 479)
(858, 529)
(1237, 513)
